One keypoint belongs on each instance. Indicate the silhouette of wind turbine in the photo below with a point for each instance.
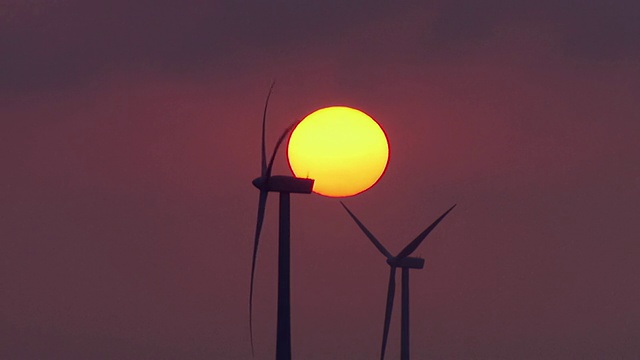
(402, 260)
(284, 185)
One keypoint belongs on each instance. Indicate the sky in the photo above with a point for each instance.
(130, 133)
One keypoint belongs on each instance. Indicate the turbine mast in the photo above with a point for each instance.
(404, 325)
(283, 345)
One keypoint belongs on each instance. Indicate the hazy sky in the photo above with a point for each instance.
(130, 135)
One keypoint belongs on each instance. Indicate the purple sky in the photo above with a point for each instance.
(130, 135)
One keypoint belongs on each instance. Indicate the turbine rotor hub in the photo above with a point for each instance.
(407, 262)
(260, 183)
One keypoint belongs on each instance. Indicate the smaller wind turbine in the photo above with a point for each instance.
(403, 261)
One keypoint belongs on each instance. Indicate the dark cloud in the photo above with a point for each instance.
(588, 31)
(66, 43)
(59, 44)
(602, 31)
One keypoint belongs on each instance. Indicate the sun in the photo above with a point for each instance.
(343, 149)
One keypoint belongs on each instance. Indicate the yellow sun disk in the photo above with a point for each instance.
(343, 149)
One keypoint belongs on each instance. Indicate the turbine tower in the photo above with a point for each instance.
(405, 262)
(285, 185)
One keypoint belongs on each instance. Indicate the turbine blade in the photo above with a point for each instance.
(262, 202)
(389, 308)
(275, 150)
(264, 125)
(366, 231)
(416, 242)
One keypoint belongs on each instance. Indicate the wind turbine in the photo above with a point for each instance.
(285, 185)
(405, 262)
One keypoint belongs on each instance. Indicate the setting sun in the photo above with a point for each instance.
(343, 149)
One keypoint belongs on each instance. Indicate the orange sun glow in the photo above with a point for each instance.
(343, 149)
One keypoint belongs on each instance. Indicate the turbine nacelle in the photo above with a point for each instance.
(282, 183)
(407, 262)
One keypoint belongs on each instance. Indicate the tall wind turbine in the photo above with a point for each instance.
(405, 262)
(284, 185)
